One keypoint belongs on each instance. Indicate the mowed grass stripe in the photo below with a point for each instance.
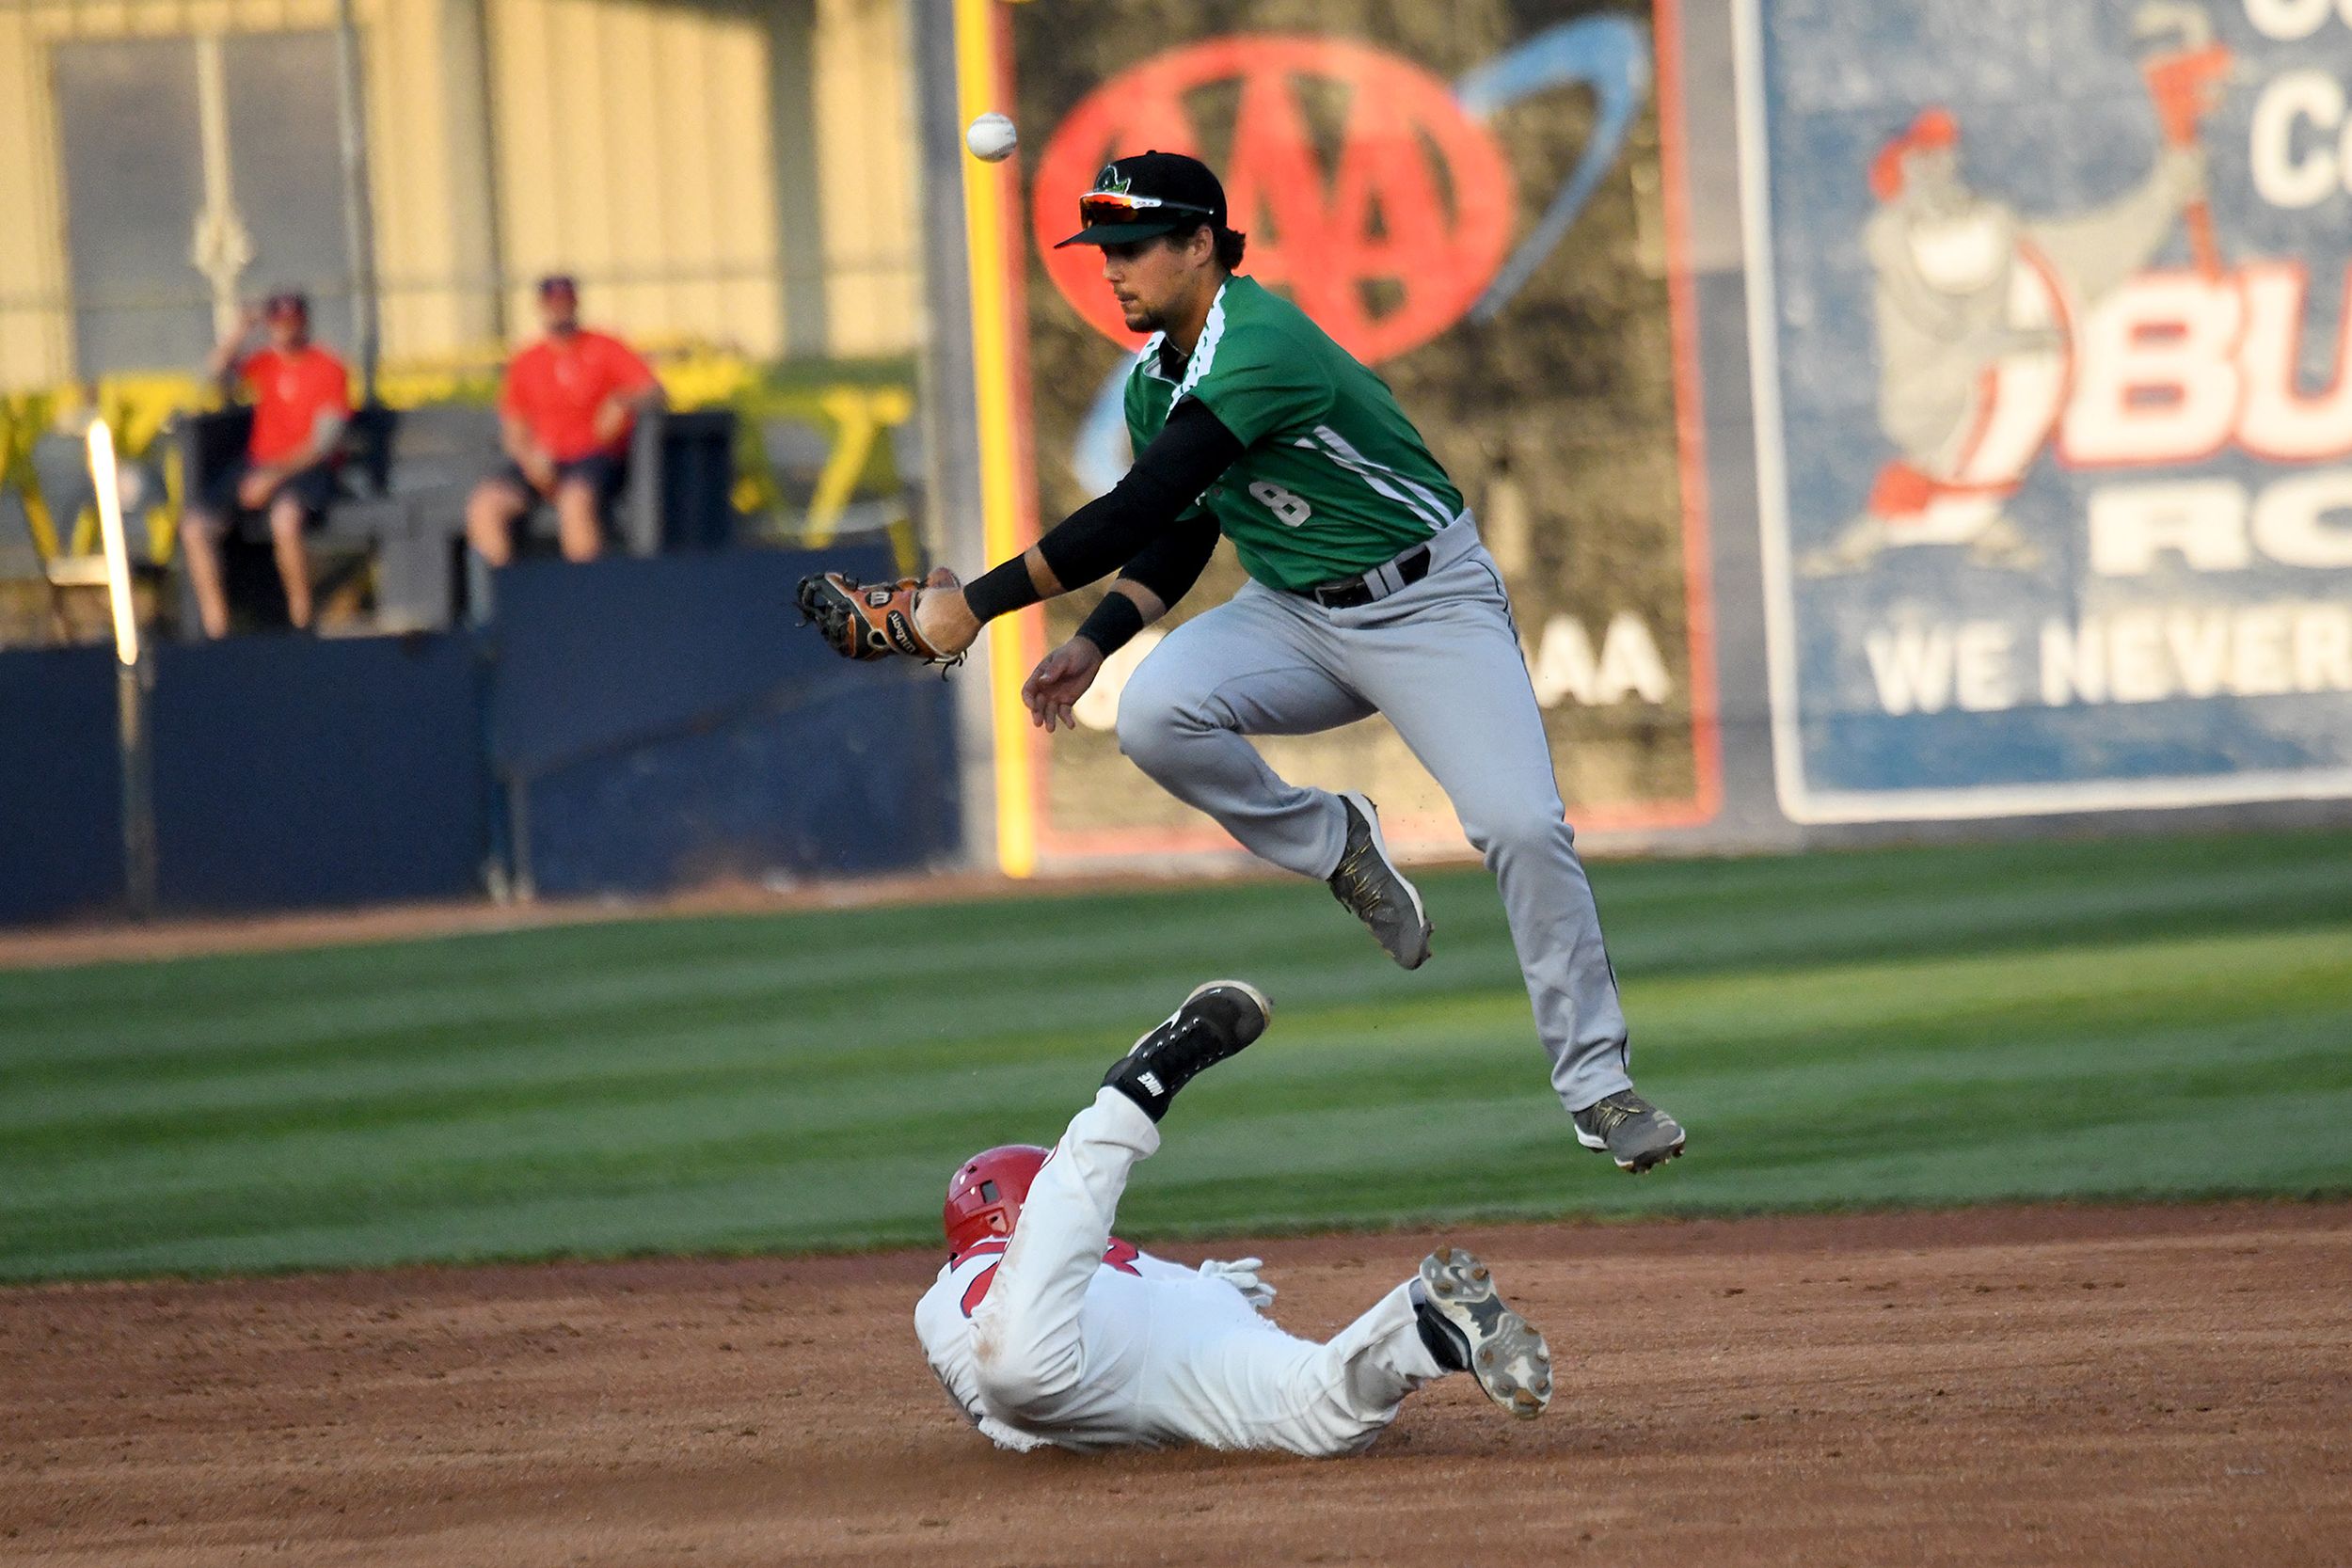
(1672, 916)
(1870, 1016)
(277, 1010)
(1761, 1111)
(2142, 1157)
(1895, 1027)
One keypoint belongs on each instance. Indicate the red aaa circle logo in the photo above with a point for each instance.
(1385, 248)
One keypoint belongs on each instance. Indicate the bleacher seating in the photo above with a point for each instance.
(401, 502)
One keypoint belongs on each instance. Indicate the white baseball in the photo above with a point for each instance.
(992, 137)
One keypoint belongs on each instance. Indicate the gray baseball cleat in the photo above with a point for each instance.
(1218, 1019)
(1469, 1329)
(1634, 1133)
(1374, 890)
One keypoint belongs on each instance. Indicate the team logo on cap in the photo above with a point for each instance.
(1111, 182)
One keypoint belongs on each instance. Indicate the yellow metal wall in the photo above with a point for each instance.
(635, 148)
(35, 342)
(411, 173)
(633, 145)
(865, 174)
(432, 279)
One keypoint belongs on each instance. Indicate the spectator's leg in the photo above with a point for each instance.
(578, 525)
(286, 518)
(490, 513)
(201, 532)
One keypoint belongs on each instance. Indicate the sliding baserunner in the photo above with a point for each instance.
(1046, 1328)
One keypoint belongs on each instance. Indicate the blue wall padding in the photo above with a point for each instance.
(60, 785)
(670, 722)
(296, 772)
(625, 726)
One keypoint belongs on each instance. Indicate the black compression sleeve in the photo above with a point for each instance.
(1001, 589)
(1168, 476)
(1171, 564)
(1113, 623)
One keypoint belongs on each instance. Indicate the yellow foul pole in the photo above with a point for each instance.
(987, 189)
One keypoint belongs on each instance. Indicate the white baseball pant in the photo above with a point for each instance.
(1440, 658)
(1089, 1353)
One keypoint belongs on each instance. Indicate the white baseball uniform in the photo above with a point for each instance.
(1064, 1334)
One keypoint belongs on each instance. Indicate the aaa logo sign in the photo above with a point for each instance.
(1385, 243)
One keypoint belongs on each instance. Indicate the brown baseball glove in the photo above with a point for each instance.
(868, 620)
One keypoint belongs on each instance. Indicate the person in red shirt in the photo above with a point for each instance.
(301, 397)
(570, 403)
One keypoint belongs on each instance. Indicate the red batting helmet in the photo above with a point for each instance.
(984, 1198)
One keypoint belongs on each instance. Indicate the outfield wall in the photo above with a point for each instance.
(1921, 421)
(628, 727)
(1934, 423)
(650, 730)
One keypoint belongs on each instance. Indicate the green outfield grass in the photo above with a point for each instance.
(2148, 1017)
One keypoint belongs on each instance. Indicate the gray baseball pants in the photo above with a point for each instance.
(1441, 660)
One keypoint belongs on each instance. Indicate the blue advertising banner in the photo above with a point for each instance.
(2051, 324)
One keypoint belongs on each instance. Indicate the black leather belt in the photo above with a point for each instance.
(1347, 592)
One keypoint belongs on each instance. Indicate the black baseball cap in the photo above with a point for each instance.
(557, 283)
(1147, 195)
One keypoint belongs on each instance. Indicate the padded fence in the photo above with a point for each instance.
(627, 727)
(60, 785)
(291, 772)
(719, 741)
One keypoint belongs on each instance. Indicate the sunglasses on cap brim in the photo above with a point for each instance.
(1118, 206)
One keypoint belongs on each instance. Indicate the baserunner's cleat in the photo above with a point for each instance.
(1469, 1329)
(1215, 1021)
(1634, 1133)
(1374, 890)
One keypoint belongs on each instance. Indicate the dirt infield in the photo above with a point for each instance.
(2112, 1386)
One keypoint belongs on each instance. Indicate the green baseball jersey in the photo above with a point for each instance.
(1333, 479)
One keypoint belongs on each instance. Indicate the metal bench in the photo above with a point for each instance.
(405, 474)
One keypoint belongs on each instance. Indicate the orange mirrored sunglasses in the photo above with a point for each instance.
(1120, 207)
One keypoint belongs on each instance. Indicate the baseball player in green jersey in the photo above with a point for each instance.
(1369, 592)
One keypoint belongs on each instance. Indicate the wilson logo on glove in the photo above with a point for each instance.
(860, 622)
